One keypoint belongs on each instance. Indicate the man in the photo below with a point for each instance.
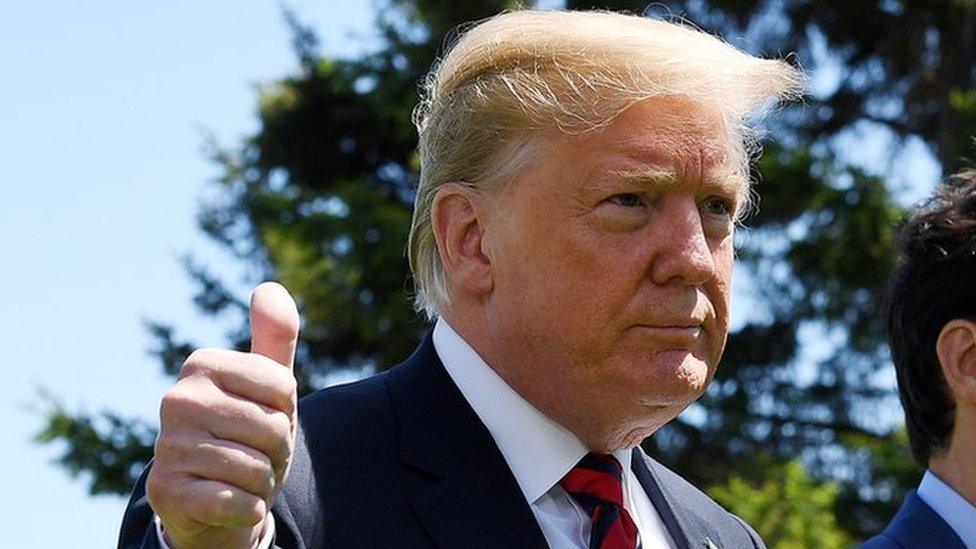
(581, 175)
(932, 332)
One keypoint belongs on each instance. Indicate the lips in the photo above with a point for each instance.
(693, 329)
(676, 327)
(672, 330)
(674, 324)
(674, 335)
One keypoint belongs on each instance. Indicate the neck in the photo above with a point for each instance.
(954, 466)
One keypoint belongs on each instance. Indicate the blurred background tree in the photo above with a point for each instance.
(319, 199)
(790, 509)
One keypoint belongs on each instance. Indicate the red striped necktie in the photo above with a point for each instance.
(596, 486)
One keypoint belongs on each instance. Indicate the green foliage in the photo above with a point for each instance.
(109, 449)
(897, 63)
(789, 509)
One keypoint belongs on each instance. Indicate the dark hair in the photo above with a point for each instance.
(933, 283)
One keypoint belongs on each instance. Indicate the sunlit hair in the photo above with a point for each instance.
(507, 80)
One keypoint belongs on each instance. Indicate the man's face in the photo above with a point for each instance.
(612, 260)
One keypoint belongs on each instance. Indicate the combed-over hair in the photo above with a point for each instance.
(514, 76)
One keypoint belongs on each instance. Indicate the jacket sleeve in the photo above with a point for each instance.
(138, 528)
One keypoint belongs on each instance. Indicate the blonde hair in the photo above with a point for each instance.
(515, 75)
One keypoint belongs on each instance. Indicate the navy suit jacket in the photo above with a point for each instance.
(401, 460)
(916, 526)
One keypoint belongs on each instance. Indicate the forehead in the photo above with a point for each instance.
(673, 136)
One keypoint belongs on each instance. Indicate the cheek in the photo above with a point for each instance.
(565, 282)
(719, 293)
(724, 263)
(598, 274)
(535, 267)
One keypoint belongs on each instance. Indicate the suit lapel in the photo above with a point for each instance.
(461, 487)
(686, 528)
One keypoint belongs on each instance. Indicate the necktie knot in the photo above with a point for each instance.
(595, 480)
(596, 485)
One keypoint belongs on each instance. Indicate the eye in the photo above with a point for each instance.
(718, 206)
(627, 200)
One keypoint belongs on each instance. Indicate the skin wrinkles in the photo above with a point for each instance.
(608, 302)
(728, 185)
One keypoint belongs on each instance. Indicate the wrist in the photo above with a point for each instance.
(218, 537)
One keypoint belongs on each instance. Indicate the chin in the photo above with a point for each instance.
(672, 379)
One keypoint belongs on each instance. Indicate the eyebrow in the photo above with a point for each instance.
(728, 181)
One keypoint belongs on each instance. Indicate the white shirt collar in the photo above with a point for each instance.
(958, 513)
(538, 450)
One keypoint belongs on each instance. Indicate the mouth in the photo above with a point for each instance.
(675, 336)
(693, 329)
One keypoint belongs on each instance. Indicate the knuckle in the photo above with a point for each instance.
(255, 510)
(263, 479)
(284, 454)
(178, 403)
(285, 389)
(158, 492)
(260, 464)
(193, 360)
(235, 507)
(282, 430)
(269, 483)
(200, 361)
(172, 449)
(257, 479)
(290, 386)
(277, 447)
(281, 436)
(165, 449)
(174, 401)
(244, 466)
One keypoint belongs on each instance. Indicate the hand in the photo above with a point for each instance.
(227, 433)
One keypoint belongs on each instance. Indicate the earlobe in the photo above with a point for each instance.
(458, 223)
(956, 349)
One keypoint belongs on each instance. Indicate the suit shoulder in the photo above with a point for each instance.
(732, 528)
(689, 495)
(349, 419)
(346, 401)
(916, 525)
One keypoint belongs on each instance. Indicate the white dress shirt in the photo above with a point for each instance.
(958, 513)
(539, 451)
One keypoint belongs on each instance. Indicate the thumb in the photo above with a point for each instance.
(274, 323)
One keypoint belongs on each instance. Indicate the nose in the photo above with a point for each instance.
(683, 255)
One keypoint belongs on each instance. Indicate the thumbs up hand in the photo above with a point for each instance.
(227, 433)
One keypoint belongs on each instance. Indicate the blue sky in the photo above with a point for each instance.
(102, 107)
(101, 110)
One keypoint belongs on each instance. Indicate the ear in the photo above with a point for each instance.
(458, 217)
(956, 348)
